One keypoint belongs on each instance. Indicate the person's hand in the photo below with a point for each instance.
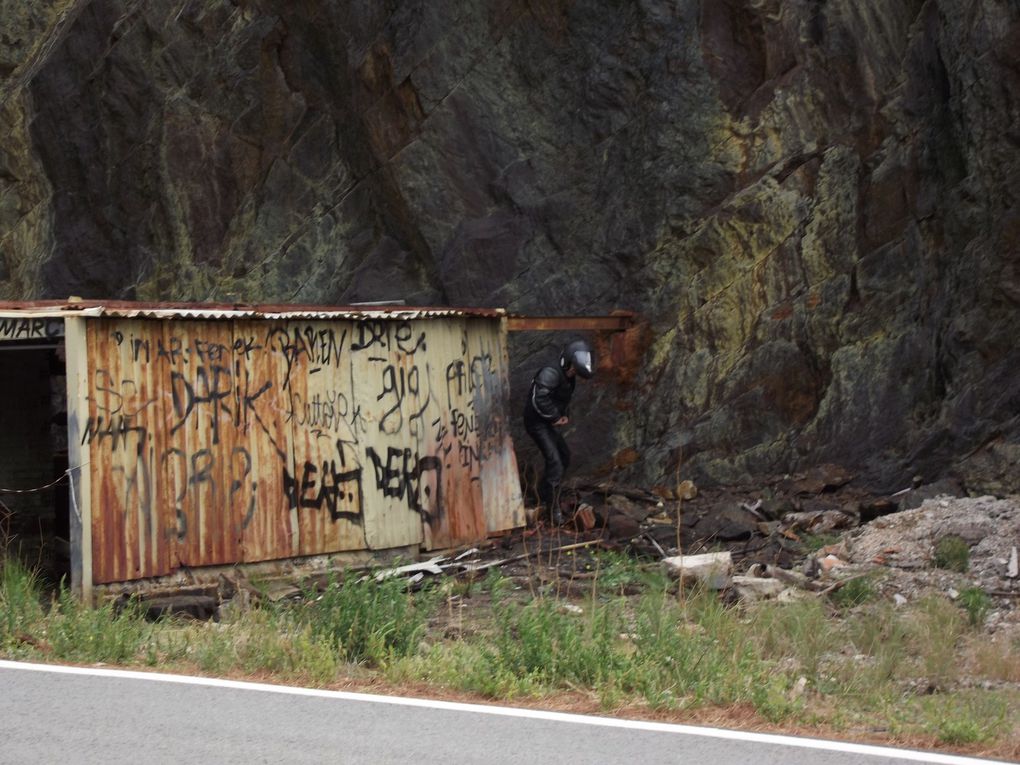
(561, 421)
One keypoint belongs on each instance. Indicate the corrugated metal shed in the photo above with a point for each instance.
(215, 434)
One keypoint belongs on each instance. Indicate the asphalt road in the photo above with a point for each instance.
(68, 715)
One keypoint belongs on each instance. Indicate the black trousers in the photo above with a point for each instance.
(557, 459)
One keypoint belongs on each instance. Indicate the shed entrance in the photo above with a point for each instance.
(34, 503)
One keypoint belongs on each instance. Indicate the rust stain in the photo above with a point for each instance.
(619, 355)
(785, 311)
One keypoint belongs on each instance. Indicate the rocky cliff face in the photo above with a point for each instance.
(812, 202)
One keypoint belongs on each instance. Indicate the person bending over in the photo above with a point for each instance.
(546, 410)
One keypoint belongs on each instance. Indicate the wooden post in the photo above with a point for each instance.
(79, 470)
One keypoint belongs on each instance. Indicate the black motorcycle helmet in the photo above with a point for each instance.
(578, 355)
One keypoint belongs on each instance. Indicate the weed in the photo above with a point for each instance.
(213, 649)
(800, 632)
(996, 659)
(78, 632)
(695, 650)
(952, 553)
(976, 603)
(272, 641)
(771, 700)
(855, 592)
(965, 718)
(20, 601)
(368, 621)
(537, 641)
(815, 542)
(880, 633)
(495, 582)
(934, 634)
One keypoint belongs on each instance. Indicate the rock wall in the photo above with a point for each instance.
(812, 203)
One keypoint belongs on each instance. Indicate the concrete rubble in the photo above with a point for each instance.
(711, 570)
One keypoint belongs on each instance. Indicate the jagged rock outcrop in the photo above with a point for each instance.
(814, 204)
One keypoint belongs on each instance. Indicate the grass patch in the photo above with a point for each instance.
(976, 603)
(627, 638)
(814, 542)
(855, 592)
(76, 632)
(795, 634)
(368, 621)
(934, 635)
(996, 659)
(21, 599)
(952, 553)
(965, 718)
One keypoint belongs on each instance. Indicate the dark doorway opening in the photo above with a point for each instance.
(34, 496)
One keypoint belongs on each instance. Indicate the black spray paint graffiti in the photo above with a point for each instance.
(468, 376)
(31, 329)
(197, 475)
(118, 406)
(329, 412)
(177, 352)
(116, 431)
(122, 398)
(326, 485)
(387, 335)
(409, 477)
(399, 384)
(137, 484)
(213, 389)
(319, 347)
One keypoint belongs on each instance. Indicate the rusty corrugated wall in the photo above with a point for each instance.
(218, 441)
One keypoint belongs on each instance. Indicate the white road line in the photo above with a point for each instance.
(867, 750)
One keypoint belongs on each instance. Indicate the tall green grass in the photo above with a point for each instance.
(664, 647)
(368, 621)
(21, 603)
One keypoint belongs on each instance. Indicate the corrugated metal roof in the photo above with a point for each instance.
(217, 311)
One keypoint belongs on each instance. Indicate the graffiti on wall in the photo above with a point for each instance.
(218, 442)
(30, 329)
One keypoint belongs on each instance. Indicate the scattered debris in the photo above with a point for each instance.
(713, 570)
(829, 562)
(818, 521)
(686, 490)
(796, 537)
(584, 517)
(414, 569)
(752, 588)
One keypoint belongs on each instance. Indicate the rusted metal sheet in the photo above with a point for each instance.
(323, 482)
(504, 507)
(215, 442)
(225, 311)
(126, 433)
(618, 322)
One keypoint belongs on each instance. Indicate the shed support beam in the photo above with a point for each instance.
(619, 321)
(79, 471)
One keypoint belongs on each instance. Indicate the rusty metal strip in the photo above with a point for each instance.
(228, 311)
(615, 323)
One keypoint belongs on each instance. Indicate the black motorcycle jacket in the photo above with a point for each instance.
(549, 398)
